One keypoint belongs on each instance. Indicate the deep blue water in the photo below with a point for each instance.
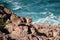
(41, 11)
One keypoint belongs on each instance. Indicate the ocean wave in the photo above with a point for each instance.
(51, 19)
(43, 13)
(13, 5)
(37, 19)
(16, 7)
(40, 11)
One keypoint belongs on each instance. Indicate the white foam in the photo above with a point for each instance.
(43, 13)
(49, 19)
(16, 7)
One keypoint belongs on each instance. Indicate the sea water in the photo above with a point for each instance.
(41, 11)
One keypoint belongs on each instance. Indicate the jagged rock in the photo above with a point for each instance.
(37, 26)
(16, 21)
(3, 36)
(8, 21)
(7, 11)
(13, 16)
(19, 31)
(56, 38)
(33, 30)
(21, 28)
(55, 33)
(29, 21)
(10, 27)
(23, 19)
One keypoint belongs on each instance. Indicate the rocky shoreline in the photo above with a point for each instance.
(13, 27)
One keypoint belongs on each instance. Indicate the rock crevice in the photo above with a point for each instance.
(13, 27)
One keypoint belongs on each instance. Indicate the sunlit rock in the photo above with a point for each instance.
(29, 21)
(21, 28)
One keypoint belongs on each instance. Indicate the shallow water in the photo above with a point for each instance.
(41, 11)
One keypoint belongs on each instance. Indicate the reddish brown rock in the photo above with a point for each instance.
(13, 16)
(7, 11)
(3, 36)
(29, 21)
(18, 32)
(56, 38)
(21, 28)
(33, 30)
(10, 27)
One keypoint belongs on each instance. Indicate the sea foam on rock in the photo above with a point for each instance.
(15, 27)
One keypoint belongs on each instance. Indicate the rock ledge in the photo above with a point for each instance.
(13, 27)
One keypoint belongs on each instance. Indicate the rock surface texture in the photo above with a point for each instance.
(13, 27)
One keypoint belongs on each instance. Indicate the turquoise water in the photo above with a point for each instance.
(41, 11)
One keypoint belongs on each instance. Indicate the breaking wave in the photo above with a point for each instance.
(41, 11)
(51, 19)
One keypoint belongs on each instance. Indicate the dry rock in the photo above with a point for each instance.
(21, 28)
